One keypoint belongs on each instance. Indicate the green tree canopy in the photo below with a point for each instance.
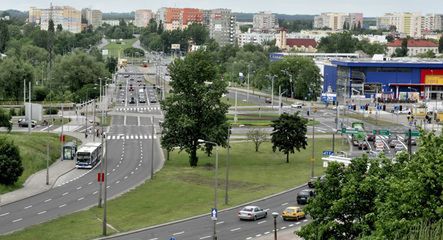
(194, 109)
(12, 73)
(4, 35)
(289, 134)
(338, 43)
(5, 120)
(440, 44)
(10, 162)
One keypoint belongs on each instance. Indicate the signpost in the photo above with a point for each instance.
(328, 153)
(383, 132)
(214, 214)
(414, 133)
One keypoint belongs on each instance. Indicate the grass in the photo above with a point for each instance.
(186, 191)
(258, 120)
(231, 102)
(114, 48)
(33, 151)
(371, 120)
(106, 120)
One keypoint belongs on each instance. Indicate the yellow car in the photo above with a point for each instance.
(293, 213)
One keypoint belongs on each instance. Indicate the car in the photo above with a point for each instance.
(313, 180)
(141, 100)
(393, 143)
(24, 123)
(296, 105)
(126, 75)
(252, 213)
(363, 145)
(355, 143)
(304, 195)
(375, 153)
(293, 213)
(399, 147)
(132, 101)
(268, 100)
(152, 100)
(370, 137)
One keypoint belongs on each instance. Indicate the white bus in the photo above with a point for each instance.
(88, 155)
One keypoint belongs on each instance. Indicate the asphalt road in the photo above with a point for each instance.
(129, 160)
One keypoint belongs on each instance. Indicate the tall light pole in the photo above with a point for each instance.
(227, 168)
(272, 89)
(275, 215)
(313, 140)
(214, 236)
(247, 92)
(290, 82)
(105, 186)
(30, 110)
(152, 148)
(279, 99)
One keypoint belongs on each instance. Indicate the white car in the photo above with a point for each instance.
(296, 105)
(252, 213)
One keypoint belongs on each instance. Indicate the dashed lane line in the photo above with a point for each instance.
(27, 207)
(66, 193)
(48, 200)
(40, 213)
(63, 205)
(178, 233)
(17, 220)
(261, 222)
(80, 198)
(4, 214)
(205, 237)
(235, 229)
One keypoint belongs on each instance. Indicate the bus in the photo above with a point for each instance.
(88, 155)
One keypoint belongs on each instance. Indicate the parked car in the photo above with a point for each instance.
(304, 195)
(355, 143)
(296, 105)
(142, 100)
(313, 180)
(293, 213)
(152, 100)
(252, 213)
(132, 101)
(268, 100)
(399, 147)
(370, 137)
(363, 145)
(393, 143)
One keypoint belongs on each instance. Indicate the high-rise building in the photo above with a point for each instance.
(336, 21)
(35, 15)
(172, 19)
(190, 16)
(179, 18)
(142, 17)
(412, 24)
(68, 17)
(92, 17)
(265, 21)
(222, 26)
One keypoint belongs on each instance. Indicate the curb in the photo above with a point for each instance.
(198, 216)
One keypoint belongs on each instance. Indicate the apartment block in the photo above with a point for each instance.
(336, 21)
(179, 18)
(222, 26)
(142, 17)
(68, 17)
(254, 37)
(265, 21)
(92, 17)
(411, 24)
(35, 15)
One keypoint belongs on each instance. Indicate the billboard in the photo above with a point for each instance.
(35, 110)
(175, 46)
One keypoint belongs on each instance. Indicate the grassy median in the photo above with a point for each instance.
(33, 150)
(179, 191)
(116, 50)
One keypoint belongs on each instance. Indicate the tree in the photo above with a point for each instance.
(4, 35)
(194, 109)
(59, 28)
(10, 162)
(338, 43)
(160, 27)
(111, 64)
(371, 48)
(428, 54)
(152, 26)
(197, 33)
(289, 133)
(440, 45)
(390, 38)
(257, 136)
(5, 120)
(51, 27)
(12, 73)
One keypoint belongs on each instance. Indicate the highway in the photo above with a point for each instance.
(128, 143)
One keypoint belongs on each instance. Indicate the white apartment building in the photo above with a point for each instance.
(142, 17)
(265, 21)
(68, 17)
(254, 37)
(336, 21)
(411, 24)
(92, 17)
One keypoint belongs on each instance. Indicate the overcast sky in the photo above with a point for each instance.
(368, 7)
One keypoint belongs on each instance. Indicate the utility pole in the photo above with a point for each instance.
(247, 92)
(104, 189)
(152, 148)
(47, 163)
(272, 92)
(30, 110)
(93, 120)
(313, 141)
(61, 135)
(235, 111)
(227, 169)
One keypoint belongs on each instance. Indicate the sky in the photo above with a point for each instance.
(370, 8)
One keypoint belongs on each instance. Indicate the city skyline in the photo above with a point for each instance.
(291, 7)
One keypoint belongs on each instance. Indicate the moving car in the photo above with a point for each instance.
(268, 100)
(304, 195)
(370, 137)
(296, 105)
(24, 123)
(393, 143)
(252, 213)
(293, 213)
(363, 145)
(399, 147)
(355, 143)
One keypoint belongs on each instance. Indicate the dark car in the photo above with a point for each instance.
(363, 146)
(268, 100)
(304, 195)
(24, 123)
(132, 101)
(313, 180)
(153, 100)
(370, 137)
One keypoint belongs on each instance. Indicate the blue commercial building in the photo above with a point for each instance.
(400, 79)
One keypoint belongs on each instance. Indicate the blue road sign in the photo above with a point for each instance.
(328, 153)
(172, 238)
(214, 213)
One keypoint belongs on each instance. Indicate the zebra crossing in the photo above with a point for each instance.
(131, 137)
(137, 109)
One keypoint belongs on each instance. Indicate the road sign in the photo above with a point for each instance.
(214, 214)
(348, 131)
(328, 153)
(383, 132)
(172, 238)
(414, 133)
(100, 177)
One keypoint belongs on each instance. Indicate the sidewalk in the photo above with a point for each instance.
(287, 234)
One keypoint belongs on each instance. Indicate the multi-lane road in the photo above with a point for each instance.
(128, 144)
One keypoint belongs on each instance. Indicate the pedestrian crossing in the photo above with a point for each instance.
(131, 137)
(137, 109)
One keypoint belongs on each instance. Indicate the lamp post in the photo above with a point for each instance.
(214, 236)
(275, 215)
(227, 168)
(279, 99)
(272, 89)
(152, 149)
(247, 92)
(105, 185)
(290, 82)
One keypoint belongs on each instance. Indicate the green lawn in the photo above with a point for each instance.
(231, 102)
(114, 48)
(186, 191)
(371, 120)
(258, 120)
(33, 151)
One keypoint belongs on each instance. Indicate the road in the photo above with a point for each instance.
(128, 143)
(228, 224)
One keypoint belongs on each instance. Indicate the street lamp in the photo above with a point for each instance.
(279, 99)
(290, 81)
(215, 181)
(275, 215)
(272, 88)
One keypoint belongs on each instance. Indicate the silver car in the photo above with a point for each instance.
(252, 213)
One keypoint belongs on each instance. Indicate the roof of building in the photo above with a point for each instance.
(397, 63)
(413, 43)
(299, 42)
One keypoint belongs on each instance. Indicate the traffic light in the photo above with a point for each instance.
(400, 107)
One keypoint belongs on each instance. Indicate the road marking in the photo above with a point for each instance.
(126, 177)
(205, 237)
(305, 220)
(284, 204)
(235, 229)
(79, 188)
(248, 238)
(291, 225)
(17, 220)
(66, 193)
(118, 165)
(153, 239)
(132, 172)
(117, 182)
(94, 192)
(266, 233)
(40, 213)
(64, 205)
(297, 223)
(89, 183)
(220, 222)
(178, 233)
(258, 235)
(107, 174)
(80, 198)
(113, 170)
(261, 222)
(48, 200)
(283, 228)
(108, 186)
(30, 206)
(4, 214)
(136, 168)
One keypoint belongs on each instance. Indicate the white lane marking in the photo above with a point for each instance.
(94, 192)
(153, 239)
(291, 225)
(205, 237)
(248, 238)
(126, 177)
(113, 170)
(283, 228)
(117, 182)
(266, 233)
(66, 193)
(80, 198)
(40, 213)
(4, 214)
(132, 172)
(48, 200)
(63, 205)
(30, 206)
(261, 222)
(89, 183)
(79, 188)
(297, 223)
(220, 222)
(108, 186)
(136, 168)
(284, 204)
(258, 235)
(178, 233)
(17, 220)
(235, 229)
(305, 220)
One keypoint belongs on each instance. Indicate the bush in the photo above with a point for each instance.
(10, 162)
(21, 111)
(40, 93)
(12, 112)
(51, 111)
